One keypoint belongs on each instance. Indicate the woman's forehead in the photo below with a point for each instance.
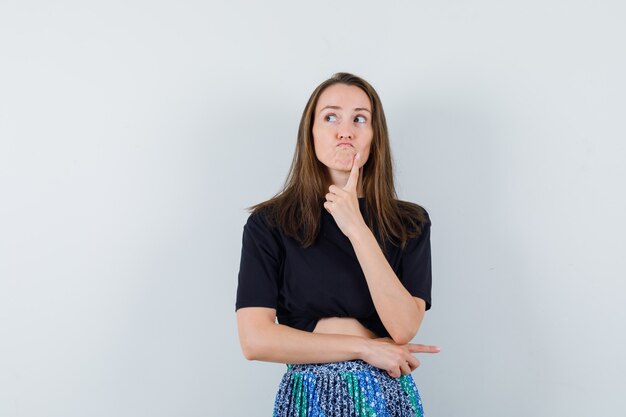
(344, 97)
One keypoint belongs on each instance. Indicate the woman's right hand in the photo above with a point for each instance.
(396, 359)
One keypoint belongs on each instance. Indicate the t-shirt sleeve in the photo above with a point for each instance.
(260, 264)
(416, 266)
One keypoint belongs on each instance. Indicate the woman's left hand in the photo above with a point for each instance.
(343, 203)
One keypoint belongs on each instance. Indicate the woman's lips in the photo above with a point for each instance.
(344, 144)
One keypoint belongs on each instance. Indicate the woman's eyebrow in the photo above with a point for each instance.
(339, 108)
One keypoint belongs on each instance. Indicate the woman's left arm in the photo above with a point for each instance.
(399, 311)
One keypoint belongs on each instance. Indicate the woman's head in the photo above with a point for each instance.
(342, 109)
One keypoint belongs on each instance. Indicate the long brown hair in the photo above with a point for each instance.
(296, 209)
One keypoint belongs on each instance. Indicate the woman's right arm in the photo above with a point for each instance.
(262, 339)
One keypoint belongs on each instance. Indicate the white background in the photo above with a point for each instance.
(133, 135)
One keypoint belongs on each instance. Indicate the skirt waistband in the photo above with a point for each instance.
(355, 365)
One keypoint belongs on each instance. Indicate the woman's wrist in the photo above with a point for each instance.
(359, 233)
(362, 348)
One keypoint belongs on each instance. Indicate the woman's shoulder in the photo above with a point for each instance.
(259, 227)
(262, 214)
(413, 213)
(259, 218)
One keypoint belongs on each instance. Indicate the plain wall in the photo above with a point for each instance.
(133, 135)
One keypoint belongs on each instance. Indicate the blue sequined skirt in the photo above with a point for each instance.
(347, 389)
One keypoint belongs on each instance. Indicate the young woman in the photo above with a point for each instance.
(341, 264)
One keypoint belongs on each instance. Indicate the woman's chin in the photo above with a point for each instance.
(343, 163)
(341, 167)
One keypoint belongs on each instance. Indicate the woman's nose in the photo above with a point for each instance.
(344, 132)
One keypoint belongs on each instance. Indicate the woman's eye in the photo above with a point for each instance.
(331, 117)
(359, 119)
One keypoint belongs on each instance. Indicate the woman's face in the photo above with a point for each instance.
(342, 126)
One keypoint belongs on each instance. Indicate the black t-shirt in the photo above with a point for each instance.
(325, 279)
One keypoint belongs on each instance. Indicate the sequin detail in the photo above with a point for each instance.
(345, 389)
